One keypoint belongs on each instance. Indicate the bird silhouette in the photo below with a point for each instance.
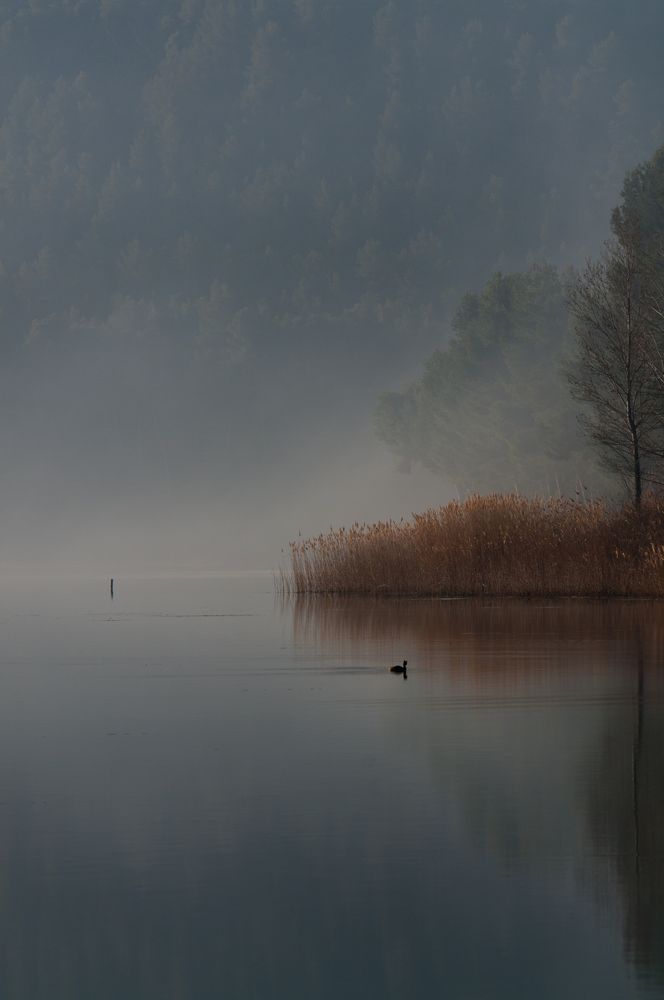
(399, 668)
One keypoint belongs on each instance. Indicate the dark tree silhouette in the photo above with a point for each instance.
(615, 371)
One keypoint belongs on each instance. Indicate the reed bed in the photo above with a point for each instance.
(498, 545)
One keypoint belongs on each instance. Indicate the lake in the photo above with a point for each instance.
(208, 792)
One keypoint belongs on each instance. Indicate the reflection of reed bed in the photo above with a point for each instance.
(512, 622)
(497, 545)
(482, 638)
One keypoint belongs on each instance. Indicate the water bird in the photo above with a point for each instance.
(399, 668)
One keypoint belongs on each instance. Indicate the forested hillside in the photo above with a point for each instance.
(250, 167)
(225, 218)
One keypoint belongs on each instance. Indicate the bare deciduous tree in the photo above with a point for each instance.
(616, 305)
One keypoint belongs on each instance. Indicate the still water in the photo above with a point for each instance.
(206, 793)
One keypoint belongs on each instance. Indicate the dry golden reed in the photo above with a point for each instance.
(498, 545)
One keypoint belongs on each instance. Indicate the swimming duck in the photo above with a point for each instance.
(399, 669)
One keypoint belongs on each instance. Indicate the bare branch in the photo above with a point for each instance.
(617, 305)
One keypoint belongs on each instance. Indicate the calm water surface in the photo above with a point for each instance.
(205, 794)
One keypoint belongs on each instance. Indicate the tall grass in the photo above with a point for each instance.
(498, 545)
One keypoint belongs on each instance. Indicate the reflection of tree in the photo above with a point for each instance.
(627, 816)
(627, 812)
(636, 759)
(499, 655)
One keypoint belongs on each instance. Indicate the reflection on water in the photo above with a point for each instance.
(627, 814)
(203, 795)
(486, 640)
(603, 655)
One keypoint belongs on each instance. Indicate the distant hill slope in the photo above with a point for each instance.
(257, 172)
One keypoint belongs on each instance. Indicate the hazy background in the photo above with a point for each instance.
(226, 227)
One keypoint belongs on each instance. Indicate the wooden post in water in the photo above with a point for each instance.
(111, 586)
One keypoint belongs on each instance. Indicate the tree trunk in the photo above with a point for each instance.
(638, 489)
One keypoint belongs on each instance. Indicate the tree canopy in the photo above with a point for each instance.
(492, 409)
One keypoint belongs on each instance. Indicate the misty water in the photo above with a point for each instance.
(207, 792)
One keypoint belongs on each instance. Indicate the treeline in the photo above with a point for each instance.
(493, 410)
